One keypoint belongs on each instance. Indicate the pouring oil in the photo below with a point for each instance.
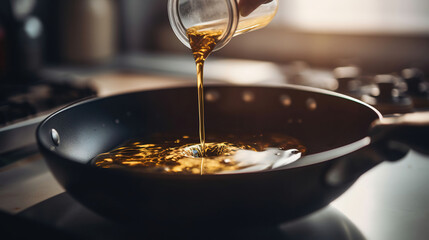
(203, 40)
(223, 154)
(202, 44)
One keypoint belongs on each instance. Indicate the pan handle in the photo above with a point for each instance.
(397, 133)
(391, 139)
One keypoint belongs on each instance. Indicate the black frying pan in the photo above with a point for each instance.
(333, 127)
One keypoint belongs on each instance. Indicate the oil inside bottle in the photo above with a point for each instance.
(224, 154)
(247, 25)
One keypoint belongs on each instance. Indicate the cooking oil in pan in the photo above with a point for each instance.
(233, 154)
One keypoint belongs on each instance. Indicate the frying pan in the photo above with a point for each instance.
(344, 138)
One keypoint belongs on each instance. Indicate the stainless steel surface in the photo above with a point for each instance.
(16, 136)
(25, 183)
(391, 200)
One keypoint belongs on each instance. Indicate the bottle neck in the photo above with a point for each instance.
(181, 31)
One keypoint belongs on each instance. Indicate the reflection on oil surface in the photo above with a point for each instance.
(227, 154)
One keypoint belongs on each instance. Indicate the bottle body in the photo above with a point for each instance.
(227, 16)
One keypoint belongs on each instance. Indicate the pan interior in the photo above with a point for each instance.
(321, 121)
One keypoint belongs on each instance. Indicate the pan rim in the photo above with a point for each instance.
(305, 161)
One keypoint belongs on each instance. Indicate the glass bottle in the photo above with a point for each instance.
(232, 17)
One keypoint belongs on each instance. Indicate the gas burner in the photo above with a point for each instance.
(417, 87)
(389, 93)
(386, 96)
(348, 80)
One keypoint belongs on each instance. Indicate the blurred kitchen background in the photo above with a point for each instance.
(377, 35)
(55, 52)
